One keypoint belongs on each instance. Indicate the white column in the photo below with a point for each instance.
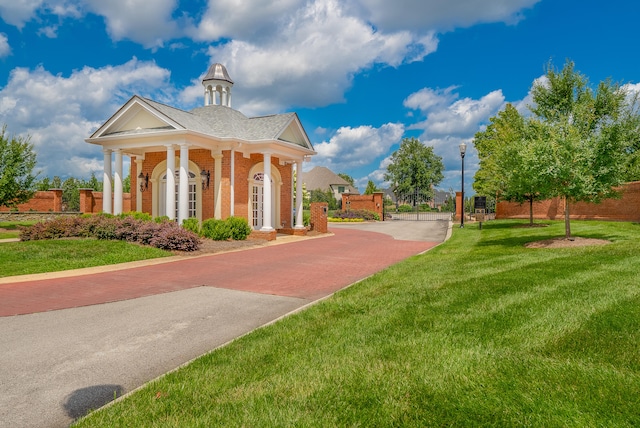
(223, 97)
(229, 97)
(170, 196)
(183, 190)
(232, 195)
(106, 183)
(206, 96)
(138, 192)
(217, 186)
(299, 196)
(117, 183)
(267, 224)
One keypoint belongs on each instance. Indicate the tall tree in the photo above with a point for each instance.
(371, 188)
(583, 149)
(414, 171)
(509, 168)
(346, 177)
(17, 161)
(504, 130)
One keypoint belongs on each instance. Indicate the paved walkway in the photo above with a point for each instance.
(68, 351)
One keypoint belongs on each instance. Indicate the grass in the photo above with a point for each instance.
(20, 258)
(479, 331)
(11, 229)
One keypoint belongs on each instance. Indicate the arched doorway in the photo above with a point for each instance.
(256, 196)
(159, 181)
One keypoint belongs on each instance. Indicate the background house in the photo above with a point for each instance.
(322, 178)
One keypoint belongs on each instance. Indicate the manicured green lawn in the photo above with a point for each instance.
(479, 331)
(11, 228)
(20, 258)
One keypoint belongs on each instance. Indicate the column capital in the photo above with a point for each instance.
(106, 151)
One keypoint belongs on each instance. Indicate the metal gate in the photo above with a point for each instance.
(419, 216)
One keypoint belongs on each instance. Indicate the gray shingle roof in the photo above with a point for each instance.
(224, 122)
(323, 178)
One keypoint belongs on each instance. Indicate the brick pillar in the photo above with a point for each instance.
(378, 204)
(318, 220)
(459, 205)
(57, 200)
(86, 201)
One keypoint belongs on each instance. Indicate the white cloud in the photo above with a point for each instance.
(17, 13)
(439, 15)
(310, 56)
(50, 31)
(460, 117)
(146, 22)
(244, 20)
(427, 99)
(5, 49)
(354, 147)
(58, 112)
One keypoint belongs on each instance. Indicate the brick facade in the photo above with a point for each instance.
(205, 161)
(371, 202)
(626, 208)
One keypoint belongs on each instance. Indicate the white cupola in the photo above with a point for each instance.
(217, 86)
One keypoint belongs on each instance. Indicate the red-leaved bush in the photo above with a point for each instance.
(165, 235)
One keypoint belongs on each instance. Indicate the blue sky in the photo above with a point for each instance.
(361, 74)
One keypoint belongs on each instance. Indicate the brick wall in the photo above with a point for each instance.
(625, 209)
(372, 202)
(42, 201)
(91, 202)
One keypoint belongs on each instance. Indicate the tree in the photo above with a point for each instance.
(346, 177)
(504, 129)
(17, 161)
(582, 151)
(318, 195)
(371, 187)
(509, 168)
(414, 171)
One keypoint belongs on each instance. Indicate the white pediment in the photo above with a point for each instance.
(136, 116)
(294, 133)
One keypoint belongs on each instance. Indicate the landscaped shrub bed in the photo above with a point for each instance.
(235, 228)
(356, 214)
(166, 235)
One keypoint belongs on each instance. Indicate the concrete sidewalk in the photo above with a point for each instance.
(74, 350)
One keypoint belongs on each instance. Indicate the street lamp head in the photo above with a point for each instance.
(463, 149)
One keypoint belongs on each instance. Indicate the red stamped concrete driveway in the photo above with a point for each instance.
(307, 269)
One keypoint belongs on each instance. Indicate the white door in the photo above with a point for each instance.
(162, 195)
(257, 205)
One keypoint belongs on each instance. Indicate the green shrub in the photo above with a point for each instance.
(162, 219)
(239, 227)
(306, 218)
(215, 229)
(192, 224)
(405, 208)
(137, 215)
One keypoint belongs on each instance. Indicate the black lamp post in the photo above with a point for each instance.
(463, 150)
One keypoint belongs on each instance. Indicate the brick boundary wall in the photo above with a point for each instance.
(371, 202)
(91, 202)
(319, 217)
(42, 201)
(627, 208)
